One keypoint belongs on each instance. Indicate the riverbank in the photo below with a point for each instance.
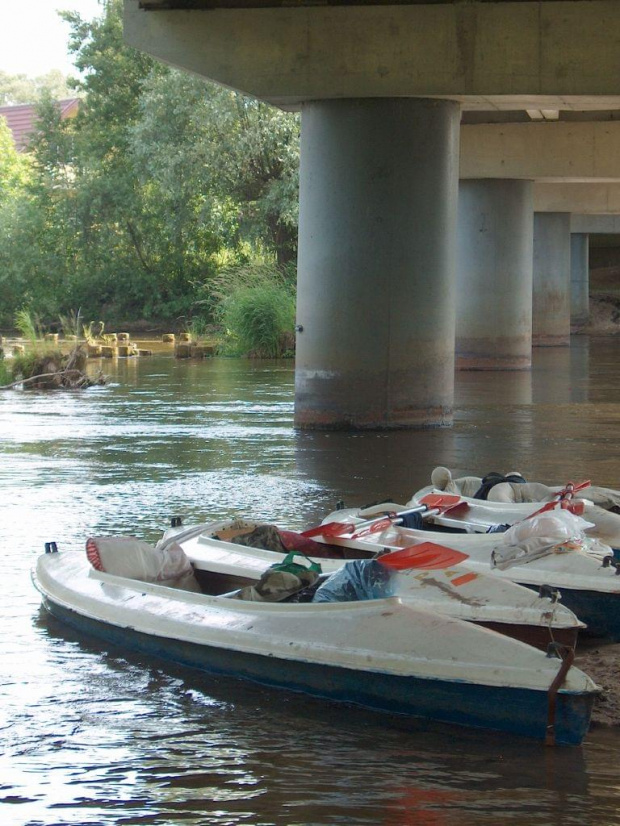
(604, 319)
(601, 661)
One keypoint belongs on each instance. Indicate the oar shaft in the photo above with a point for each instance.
(395, 516)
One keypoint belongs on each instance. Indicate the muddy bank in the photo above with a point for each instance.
(604, 317)
(602, 662)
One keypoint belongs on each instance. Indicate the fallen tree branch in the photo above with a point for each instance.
(81, 381)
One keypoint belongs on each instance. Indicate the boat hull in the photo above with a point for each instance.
(515, 711)
(600, 611)
(537, 635)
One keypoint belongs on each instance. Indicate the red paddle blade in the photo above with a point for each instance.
(575, 506)
(427, 555)
(330, 529)
(442, 501)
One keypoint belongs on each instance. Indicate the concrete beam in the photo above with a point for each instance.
(595, 224)
(542, 151)
(525, 55)
(582, 198)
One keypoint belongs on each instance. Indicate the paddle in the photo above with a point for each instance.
(427, 555)
(564, 498)
(430, 505)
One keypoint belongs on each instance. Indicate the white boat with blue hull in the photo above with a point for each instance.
(456, 590)
(589, 585)
(380, 654)
(477, 516)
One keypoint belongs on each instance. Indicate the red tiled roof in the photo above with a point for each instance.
(21, 118)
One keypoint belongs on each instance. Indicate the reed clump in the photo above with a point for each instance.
(256, 310)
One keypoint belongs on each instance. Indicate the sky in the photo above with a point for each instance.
(33, 39)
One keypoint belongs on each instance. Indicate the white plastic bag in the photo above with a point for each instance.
(557, 531)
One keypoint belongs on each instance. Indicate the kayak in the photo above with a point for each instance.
(588, 581)
(382, 654)
(457, 590)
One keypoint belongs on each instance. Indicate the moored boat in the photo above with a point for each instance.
(381, 654)
(588, 582)
(457, 590)
(515, 488)
(477, 516)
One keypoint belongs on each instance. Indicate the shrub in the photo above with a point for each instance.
(257, 312)
(5, 373)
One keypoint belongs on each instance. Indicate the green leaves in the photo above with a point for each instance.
(132, 208)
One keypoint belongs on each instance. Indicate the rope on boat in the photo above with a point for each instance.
(568, 655)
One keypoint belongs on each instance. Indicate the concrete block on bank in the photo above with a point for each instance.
(127, 350)
(183, 350)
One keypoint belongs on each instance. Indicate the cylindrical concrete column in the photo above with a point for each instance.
(377, 255)
(494, 275)
(551, 286)
(579, 278)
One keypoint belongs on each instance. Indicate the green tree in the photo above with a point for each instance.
(162, 179)
(16, 89)
(15, 171)
(14, 168)
(115, 271)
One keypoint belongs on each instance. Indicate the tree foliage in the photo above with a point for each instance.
(16, 89)
(131, 209)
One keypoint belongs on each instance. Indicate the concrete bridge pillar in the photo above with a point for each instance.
(580, 277)
(377, 256)
(551, 292)
(494, 275)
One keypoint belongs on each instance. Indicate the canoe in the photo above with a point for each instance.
(477, 515)
(457, 591)
(495, 487)
(588, 587)
(384, 654)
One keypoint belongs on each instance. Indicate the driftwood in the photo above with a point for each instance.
(55, 372)
(67, 379)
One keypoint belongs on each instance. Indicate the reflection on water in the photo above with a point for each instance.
(96, 736)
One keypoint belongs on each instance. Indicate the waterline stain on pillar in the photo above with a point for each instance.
(376, 274)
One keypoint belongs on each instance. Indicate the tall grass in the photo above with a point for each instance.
(28, 325)
(256, 308)
(70, 324)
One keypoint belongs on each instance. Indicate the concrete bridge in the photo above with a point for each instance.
(514, 105)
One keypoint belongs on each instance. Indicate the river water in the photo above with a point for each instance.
(95, 735)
